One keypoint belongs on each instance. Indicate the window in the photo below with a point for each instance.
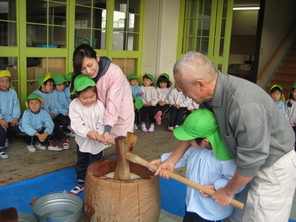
(90, 23)
(8, 23)
(46, 23)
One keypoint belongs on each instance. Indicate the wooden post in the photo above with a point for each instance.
(131, 139)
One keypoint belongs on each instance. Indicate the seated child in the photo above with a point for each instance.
(276, 92)
(36, 125)
(87, 120)
(208, 163)
(149, 103)
(137, 96)
(163, 88)
(179, 103)
(10, 112)
(61, 103)
(67, 87)
(45, 84)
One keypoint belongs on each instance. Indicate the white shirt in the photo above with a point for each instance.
(85, 119)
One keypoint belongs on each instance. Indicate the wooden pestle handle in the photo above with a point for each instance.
(110, 141)
(136, 159)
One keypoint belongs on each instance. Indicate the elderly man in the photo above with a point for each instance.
(256, 134)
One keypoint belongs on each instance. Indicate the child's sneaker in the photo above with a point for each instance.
(157, 117)
(176, 126)
(54, 147)
(170, 128)
(151, 129)
(135, 126)
(76, 190)
(31, 148)
(6, 144)
(40, 146)
(144, 129)
(4, 155)
(65, 144)
(70, 134)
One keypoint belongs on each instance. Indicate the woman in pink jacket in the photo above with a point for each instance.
(113, 90)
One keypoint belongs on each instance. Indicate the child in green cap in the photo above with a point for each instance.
(208, 163)
(61, 103)
(149, 103)
(10, 112)
(87, 120)
(137, 96)
(276, 93)
(36, 125)
(67, 87)
(45, 89)
(291, 109)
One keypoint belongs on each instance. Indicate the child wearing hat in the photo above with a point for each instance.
(36, 125)
(87, 120)
(138, 95)
(163, 88)
(291, 109)
(149, 103)
(208, 163)
(67, 87)
(179, 103)
(61, 103)
(10, 112)
(276, 93)
(45, 84)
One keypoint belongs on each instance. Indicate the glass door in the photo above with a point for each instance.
(205, 26)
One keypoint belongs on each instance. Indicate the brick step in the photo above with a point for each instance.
(287, 70)
(291, 57)
(289, 63)
(285, 84)
(285, 77)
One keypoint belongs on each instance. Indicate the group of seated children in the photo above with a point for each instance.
(46, 116)
(288, 107)
(152, 103)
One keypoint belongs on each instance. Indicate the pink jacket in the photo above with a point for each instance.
(115, 93)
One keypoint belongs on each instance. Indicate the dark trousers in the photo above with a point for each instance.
(147, 111)
(10, 132)
(177, 116)
(31, 140)
(63, 121)
(193, 217)
(164, 109)
(137, 120)
(58, 131)
(83, 161)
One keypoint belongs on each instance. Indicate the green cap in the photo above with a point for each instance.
(81, 82)
(43, 78)
(35, 96)
(201, 123)
(294, 85)
(69, 76)
(138, 102)
(150, 76)
(132, 76)
(280, 87)
(166, 75)
(58, 79)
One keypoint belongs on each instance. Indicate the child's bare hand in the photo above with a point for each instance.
(93, 135)
(209, 187)
(51, 115)
(15, 122)
(3, 123)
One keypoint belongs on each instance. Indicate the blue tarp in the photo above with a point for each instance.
(20, 194)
